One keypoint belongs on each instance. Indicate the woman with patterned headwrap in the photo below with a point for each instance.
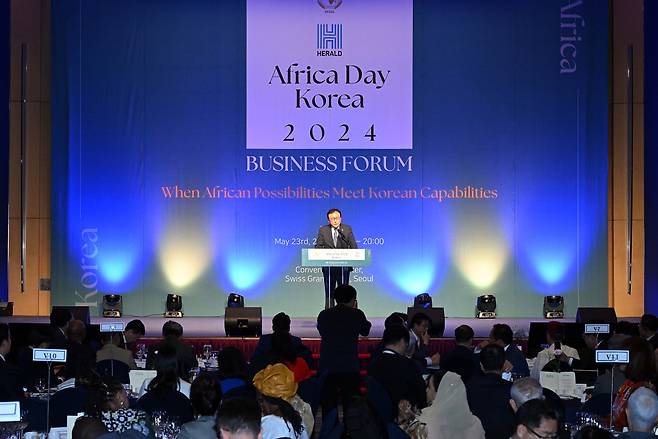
(285, 415)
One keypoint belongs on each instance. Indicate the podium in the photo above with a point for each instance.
(335, 258)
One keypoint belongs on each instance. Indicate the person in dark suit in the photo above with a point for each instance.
(172, 333)
(489, 394)
(419, 342)
(502, 335)
(59, 323)
(281, 324)
(398, 374)
(461, 360)
(339, 328)
(11, 388)
(648, 329)
(335, 235)
(80, 359)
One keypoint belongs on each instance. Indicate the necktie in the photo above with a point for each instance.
(334, 234)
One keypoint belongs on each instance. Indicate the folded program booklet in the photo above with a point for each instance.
(562, 383)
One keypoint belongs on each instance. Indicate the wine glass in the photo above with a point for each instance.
(206, 351)
(141, 351)
(40, 385)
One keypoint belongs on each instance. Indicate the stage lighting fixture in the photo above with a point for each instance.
(423, 300)
(235, 300)
(174, 305)
(554, 307)
(485, 307)
(112, 305)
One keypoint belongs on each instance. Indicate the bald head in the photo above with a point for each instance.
(524, 390)
(642, 410)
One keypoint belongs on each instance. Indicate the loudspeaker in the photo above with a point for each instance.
(597, 315)
(437, 319)
(243, 322)
(78, 313)
(6, 309)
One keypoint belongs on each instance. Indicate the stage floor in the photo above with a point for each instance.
(300, 326)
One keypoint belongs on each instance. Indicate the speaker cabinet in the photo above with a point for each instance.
(597, 315)
(78, 313)
(243, 322)
(437, 319)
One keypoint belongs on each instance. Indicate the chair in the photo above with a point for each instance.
(114, 368)
(381, 401)
(310, 390)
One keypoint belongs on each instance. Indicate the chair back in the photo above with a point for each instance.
(114, 368)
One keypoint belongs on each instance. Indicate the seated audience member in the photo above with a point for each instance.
(239, 418)
(281, 325)
(419, 340)
(280, 405)
(80, 358)
(587, 353)
(395, 319)
(282, 350)
(167, 391)
(71, 397)
(639, 372)
(340, 328)
(108, 401)
(205, 396)
(461, 360)
(612, 377)
(59, 322)
(398, 374)
(112, 351)
(489, 394)
(502, 335)
(642, 414)
(32, 371)
(133, 332)
(554, 335)
(449, 415)
(648, 328)
(232, 369)
(535, 419)
(172, 332)
(11, 380)
(523, 390)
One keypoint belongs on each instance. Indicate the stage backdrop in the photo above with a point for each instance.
(197, 146)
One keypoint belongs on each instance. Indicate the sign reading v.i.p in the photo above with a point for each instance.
(329, 74)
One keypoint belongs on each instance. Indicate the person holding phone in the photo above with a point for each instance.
(556, 350)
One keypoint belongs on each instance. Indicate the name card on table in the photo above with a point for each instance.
(113, 327)
(10, 411)
(612, 356)
(58, 355)
(597, 328)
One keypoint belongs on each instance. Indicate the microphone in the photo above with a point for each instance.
(342, 236)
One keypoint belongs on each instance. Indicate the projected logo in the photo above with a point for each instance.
(330, 6)
(329, 37)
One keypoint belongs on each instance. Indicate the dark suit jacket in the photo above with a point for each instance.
(654, 341)
(488, 397)
(58, 339)
(460, 360)
(326, 240)
(184, 354)
(340, 328)
(519, 364)
(265, 344)
(171, 401)
(400, 377)
(79, 359)
(11, 382)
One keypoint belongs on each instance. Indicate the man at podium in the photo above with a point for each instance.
(334, 235)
